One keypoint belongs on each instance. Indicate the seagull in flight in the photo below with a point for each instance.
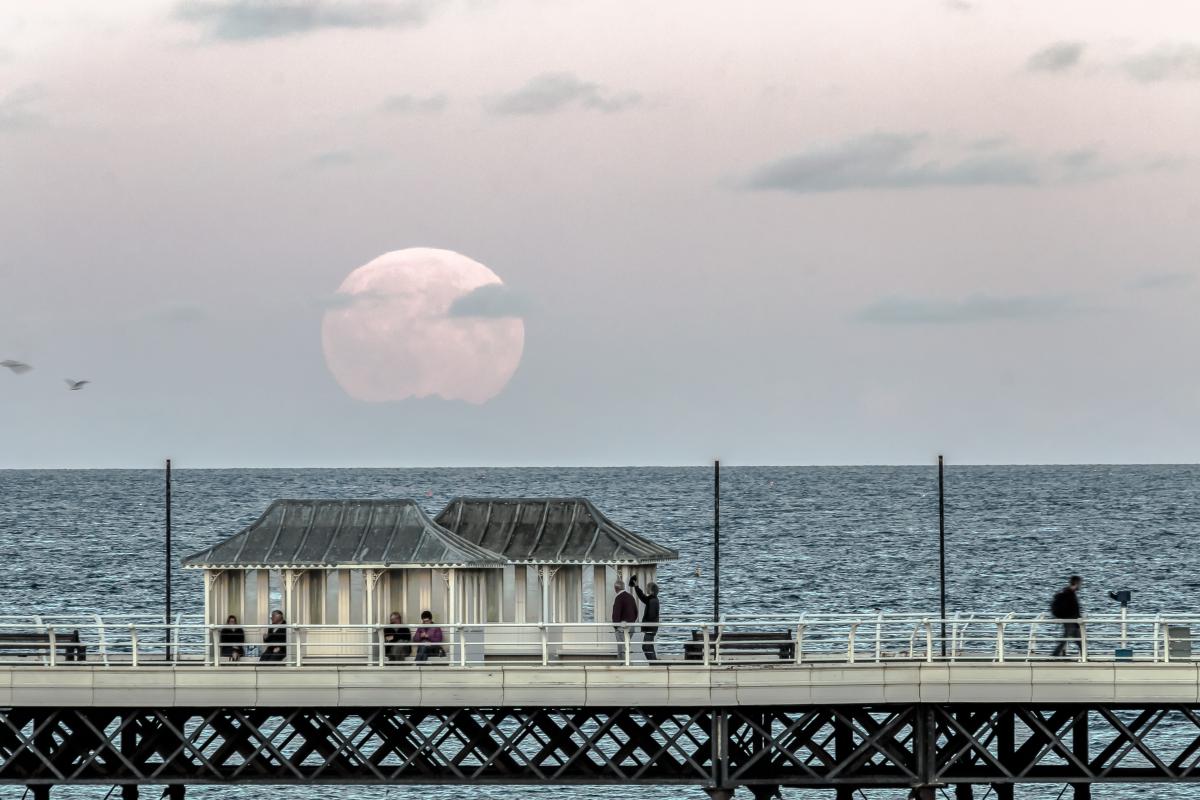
(18, 367)
(75, 386)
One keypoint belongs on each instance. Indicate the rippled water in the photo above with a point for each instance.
(816, 539)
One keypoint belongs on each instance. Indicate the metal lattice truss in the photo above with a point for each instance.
(819, 746)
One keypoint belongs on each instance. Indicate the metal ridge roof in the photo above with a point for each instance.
(329, 533)
(548, 530)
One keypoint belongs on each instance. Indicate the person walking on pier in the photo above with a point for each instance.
(428, 638)
(275, 639)
(649, 616)
(624, 611)
(1065, 606)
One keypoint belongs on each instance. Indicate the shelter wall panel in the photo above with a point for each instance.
(624, 686)
(1001, 683)
(61, 686)
(366, 688)
(281, 686)
(534, 686)
(1168, 683)
(459, 687)
(1073, 682)
(151, 687)
(227, 686)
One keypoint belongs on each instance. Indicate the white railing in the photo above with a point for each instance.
(113, 641)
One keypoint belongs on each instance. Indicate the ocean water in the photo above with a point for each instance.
(793, 539)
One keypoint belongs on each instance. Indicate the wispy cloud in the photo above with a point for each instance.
(559, 91)
(973, 309)
(17, 108)
(1165, 63)
(959, 5)
(1058, 57)
(241, 20)
(910, 161)
(414, 104)
(491, 300)
(1163, 280)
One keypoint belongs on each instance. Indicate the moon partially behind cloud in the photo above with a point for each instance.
(392, 333)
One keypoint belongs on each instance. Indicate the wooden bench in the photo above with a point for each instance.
(730, 643)
(23, 644)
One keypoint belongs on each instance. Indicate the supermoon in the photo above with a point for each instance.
(392, 334)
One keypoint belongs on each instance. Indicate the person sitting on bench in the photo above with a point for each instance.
(275, 639)
(397, 637)
(233, 639)
(428, 638)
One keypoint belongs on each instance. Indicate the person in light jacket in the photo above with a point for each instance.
(624, 612)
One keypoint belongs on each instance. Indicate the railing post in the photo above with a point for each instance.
(928, 641)
(1000, 641)
(850, 643)
(625, 635)
(799, 642)
(545, 644)
(1083, 641)
(299, 637)
(103, 641)
(1166, 644)
(462, 647)
(707, 655)
(379, 632)
(133, 643)
(53, 644)
(878, 638)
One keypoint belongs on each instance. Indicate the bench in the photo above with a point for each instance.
(23, 644)
(730, 643)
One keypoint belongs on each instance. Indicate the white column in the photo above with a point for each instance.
(602, 591)
(208, 579)
(343, 597)
(263, 597)
(520, 592)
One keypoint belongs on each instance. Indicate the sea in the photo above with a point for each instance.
(793, 539)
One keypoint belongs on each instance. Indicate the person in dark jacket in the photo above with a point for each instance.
(1065, 606)
(649, 616)
(233, 639)
(275, 639)
(624, 611)
(398, 638)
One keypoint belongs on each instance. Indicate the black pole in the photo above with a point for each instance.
(168, 554)
(716, 540)
(942, 543)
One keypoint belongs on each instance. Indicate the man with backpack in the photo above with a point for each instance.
(1065, 606)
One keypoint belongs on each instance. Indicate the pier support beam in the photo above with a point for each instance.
(1079, 747)
(40, 791)
(720, 794)
(175, 791)
(129, 791)
(964, 791)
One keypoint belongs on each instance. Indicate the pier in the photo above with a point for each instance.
(842, 703)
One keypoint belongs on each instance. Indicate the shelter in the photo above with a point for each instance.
(348, 562)
(563, 553)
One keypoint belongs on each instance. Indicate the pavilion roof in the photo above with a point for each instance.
(553, 530)
(343, 533)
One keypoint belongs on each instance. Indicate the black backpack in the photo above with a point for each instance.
(1060, 606)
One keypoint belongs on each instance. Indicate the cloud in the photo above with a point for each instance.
(1163, 280)
(177, 314)
(491, 300)
(1165, 62)
(959, 5)
(558, 91)
(16, 108)
(1058, 57)
(244, 20)
(909, 161)
(412, 104)
(972, 309)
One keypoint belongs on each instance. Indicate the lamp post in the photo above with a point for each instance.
(716, 541)
(168, 559)
(942, 544)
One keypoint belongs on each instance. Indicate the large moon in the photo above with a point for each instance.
(392, 334)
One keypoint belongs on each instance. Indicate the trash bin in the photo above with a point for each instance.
(1179, 639)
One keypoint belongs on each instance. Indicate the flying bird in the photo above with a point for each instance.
(18, 367)
(75, 386)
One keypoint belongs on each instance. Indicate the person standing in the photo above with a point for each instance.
(1065, 606)
(649, 616)
(624, 611)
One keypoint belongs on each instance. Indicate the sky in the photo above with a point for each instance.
(773, 233)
